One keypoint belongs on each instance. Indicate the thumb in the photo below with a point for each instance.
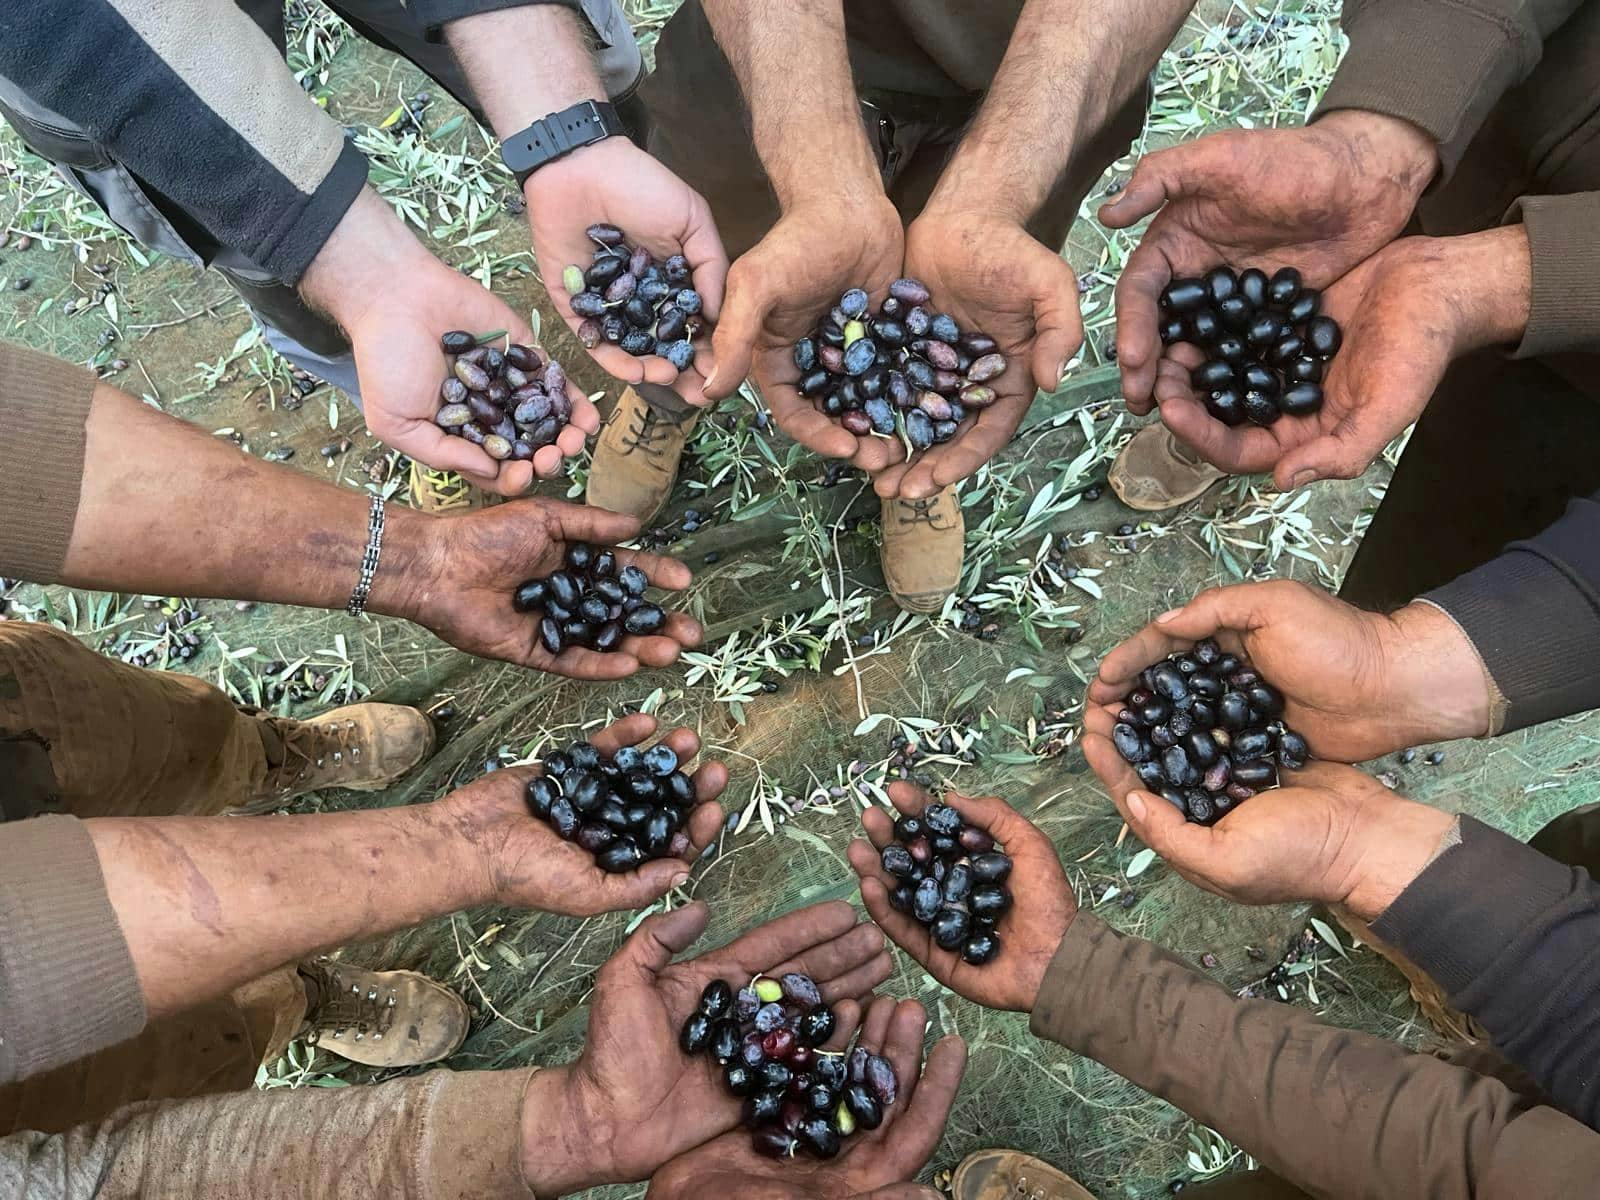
(581, 523)
(1058, 328)
(733, 338)
(1156, 180)
(1158, 824)
(1238, 606)
(656, 942)
(1332, 456)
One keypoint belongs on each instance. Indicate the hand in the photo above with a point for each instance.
(993, 277)
(1043, 904)
(1406, 312)
(1355, 684)
(874, 1162)
(473, 563)
(527, 865)
(1321, 199)
(633, 1100)
(394, 301)
(1331, 834)
(617, 183)
(781, 288)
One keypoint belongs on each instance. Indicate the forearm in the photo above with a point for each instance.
(1334, 1112)
(555, 67)
(1068, 69)
(167, 509)
(207, 903)
(793, 69)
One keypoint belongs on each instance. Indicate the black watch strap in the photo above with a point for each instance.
(559, 134)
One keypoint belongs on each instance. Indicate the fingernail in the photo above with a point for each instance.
(1302, 477)
(711, 379)
(1061, 371)
(680, 879)
(1136, 806)
(1170, 615)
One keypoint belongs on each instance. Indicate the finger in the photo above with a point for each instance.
(799, 418)
(875, 1026)
(859, 981)
(576, 662)
(581, 523)
(902, 1046)
(879, 827)
(625, 731)
(1356, 440)
(909, 799)
(997, 818)
(615, 361)
(1120, 668)
(913, 1137)
(429, 445)
(1058, 325)
(1241, 607)
(685, 743)
(585, 419)
(733, 338)
(888, 482)
(548, 461)
(1193, 849)
(874, 454)
(901, 929)
(1145, 191)
(1109, 766)
(1239, 451)
(1137, 294)
(669, 574)
(789, 935)
(654, 945)
(703, 247)
(647, 883)
(706, 818)
(662, 650)
(846, 1020)
(990, 433)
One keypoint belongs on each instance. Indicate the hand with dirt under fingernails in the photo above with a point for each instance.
(1355, 684)
(529, 866)
(874, 1164)
(633, 1100)
(1043, 905)
(476, 560)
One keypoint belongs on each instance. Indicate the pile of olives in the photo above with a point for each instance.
(592, 602)
(1202, 730)
(625, 810)
(949, 877)
(902, 368)
(511, 402)
(1265, 341)
(629, 299)
(767, 1039)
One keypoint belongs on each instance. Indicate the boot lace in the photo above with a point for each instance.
(648, 431)
(307, 748)
(347, 1006)
(921, 512)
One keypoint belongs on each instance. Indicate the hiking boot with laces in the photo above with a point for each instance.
(361, 747)
(1155, 471)
(1012, 1175)
(923, 541)
(437, 492)
(636, 460)
(381, 1018)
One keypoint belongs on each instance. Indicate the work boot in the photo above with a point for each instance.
(1012, 1175)
(1451, 1023)
(362, 747)
(923, 541)
(1155, 471)
(439, 492)
(381, 1018)
(636, 460)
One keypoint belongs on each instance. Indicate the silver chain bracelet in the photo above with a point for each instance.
(369, 559)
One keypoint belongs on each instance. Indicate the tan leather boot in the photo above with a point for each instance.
(1451, 1023)
(381, 1018)
(362, 747)
(1155, 471)
(636, 460)
(434, 491)
(923, 542)
(1012, 1175)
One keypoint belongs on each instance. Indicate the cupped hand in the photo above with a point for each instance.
(782, 287)
(1321, 198)
(633, 1099)
(874, 1164)
(477, 560)
(989, 273)
(1355, 684)
(527, 865)
(614, 182)
(1043, 905)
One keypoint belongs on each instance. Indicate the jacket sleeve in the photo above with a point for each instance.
(44, 405)
(1522, 957)
(1564, 312)
(1334, 1112)
(439, 1136)
(192, 97)
(1440, 64)
(1533, 615)
(68, 986)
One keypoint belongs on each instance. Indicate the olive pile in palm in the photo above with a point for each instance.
(950, 877)
(593, 602)
(629, 299)
(511, 402)
(901, 368)
(625, 810)
(768, 1039)
(1203, 731)
(1266, 344)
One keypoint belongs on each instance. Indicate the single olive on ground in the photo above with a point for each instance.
(950, 877)
(1203, 730)
(767, 1037)
(511, 402)
(1266, 343)
(625, 297)
(626, 810)
(904, 369)
(593, 601)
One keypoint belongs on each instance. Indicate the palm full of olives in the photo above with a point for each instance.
(1203, 730)
(511, 402)
(627, 298)
(950, 877)
(1266, 344)
(625, 810)
(767, 1037)
(593, 602)
(902, 369)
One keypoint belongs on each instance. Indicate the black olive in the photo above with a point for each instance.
(942, 819)
(1301, 400)
(908, 827)
(989, 902)
(529, 596)
(1284, 286)
(980, 948)
(1250, 744)
(1305, 306)
(1154, 711)
(457, 341)
(595, 838)
(1233, 710)
(1235, 313)
(1226, 406)
(622, 855)
(608, 637)
(1260, 408)
(644, 620)
(863, 1106)
(739, 1079)
(1180, 771)
(816, 1025)
(716, 999)
(1169, 681)
(1265, 699)
(993, 867)
(724, 1043)
(1323, 336)
(563, 589)
(1183, 295)
(1292, 750)
(925, 901)
(1211, 375)
(1221, 283)
(1171, 329)
(550, 636)
(1257, 773)
(633, 580)
(818, 1135)
(695, 1034)
(1264, 329)
(1129, 744)
(577, 633)
(1150, 774)
(762, 1108)
(1202, 748)
(950, 928)
(897, 861)
(1303, 370)
(1204, 327)
(958, 884)
(1253, 286)
(541, 794)
(1199, 807)
(1230, 349)
(1204, 683)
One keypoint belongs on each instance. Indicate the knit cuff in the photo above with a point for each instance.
(44, 406)
(1564, 245)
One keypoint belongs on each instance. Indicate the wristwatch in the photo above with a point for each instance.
(558, 135)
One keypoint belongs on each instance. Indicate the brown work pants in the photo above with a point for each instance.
(88, 735)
